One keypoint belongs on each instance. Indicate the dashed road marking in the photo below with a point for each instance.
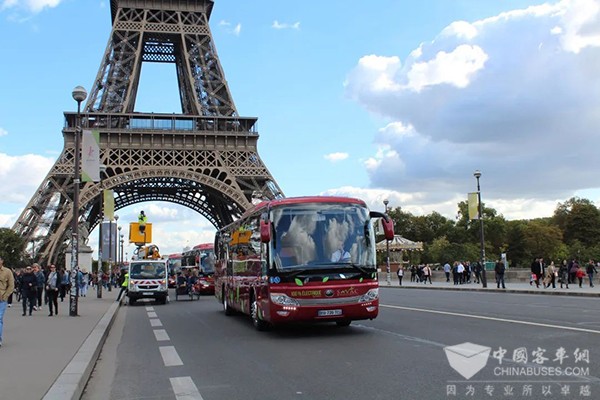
(170, 356)
(161, 335)
(184, 388)
(152, 314)
(154, 322)
(149, 308)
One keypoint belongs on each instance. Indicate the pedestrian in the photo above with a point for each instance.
(40, 283)
(52, 284)
(550, 277)
(400, 274)
(64, 284)
(28, 289)
(477, 271)
(427, 274)
(413, 273)
(536, 272)
(447, 269)
(83, 282)
(124, 285)
(7, 285)
(500, 269)
(573, 268)
(563, 274)
(580, 274)
(590, 269)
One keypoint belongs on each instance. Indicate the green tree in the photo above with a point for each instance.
(542, 240)
(11, 246)
(579, 219)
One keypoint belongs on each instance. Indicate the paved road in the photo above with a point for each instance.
(58, 353)
(192, 348)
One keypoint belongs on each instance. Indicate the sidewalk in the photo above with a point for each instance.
(52, 357)
(511, 287)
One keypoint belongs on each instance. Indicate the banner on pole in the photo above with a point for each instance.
(90, 156)
(109, 204)
(473, 206)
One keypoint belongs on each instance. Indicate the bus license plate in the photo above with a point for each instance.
(328, 313)
(147, 293)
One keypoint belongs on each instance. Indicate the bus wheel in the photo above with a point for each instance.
(258, 323)
(228, 310)
(343, 322)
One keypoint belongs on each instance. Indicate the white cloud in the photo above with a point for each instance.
(335, 157)
(454, 68)
(3, 132)
(236, 30)
(515, 95)
(278, 25)
(33, 6)
(31, 170)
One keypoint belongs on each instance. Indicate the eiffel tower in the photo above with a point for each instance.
(205, 158)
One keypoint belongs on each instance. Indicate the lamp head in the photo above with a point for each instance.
(79, 94)
(386, 202)
(116, 217)
(477, 173)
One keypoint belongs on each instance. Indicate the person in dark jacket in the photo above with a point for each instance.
(52, 288)
(500, 269)
(28, 289)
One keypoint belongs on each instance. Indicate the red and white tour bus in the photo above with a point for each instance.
(202, 258)
(303, 259)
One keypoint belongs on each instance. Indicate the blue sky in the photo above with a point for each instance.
(389, 99)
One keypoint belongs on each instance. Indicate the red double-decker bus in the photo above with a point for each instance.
(304, 259)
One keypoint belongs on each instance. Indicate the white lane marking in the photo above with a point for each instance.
(152, 315)
(149, 308)
(161, 335)
(184, 388)
(170, 356)
(155, 322)
(512, 321)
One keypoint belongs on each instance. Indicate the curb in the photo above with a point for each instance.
(494, 290)
(73, 379)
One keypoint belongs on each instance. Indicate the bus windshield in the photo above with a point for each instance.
(147, 270)
(335, 235)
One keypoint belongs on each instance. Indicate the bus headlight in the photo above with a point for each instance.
(283, 299)
(371, 295)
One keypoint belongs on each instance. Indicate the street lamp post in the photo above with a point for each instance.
(387, 251)
(121, 249)
(100, 272)
(79, 94)
(477, 175)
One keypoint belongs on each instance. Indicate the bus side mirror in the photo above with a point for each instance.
(265, 231)
(386, 223)
(388, 228)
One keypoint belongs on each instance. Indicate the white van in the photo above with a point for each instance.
(148, 279)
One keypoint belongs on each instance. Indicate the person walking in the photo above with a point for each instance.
(40, 282)
(550, 278)
(400, 274)
(536, 272)
(52, 284)
(7, 285)
(427, 274)
(590, 269)
(563, 274)
(500, 269)
(124, 285)
(28, 289)
(64, 284)
(447, 269)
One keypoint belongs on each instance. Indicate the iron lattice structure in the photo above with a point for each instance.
(205, 158)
